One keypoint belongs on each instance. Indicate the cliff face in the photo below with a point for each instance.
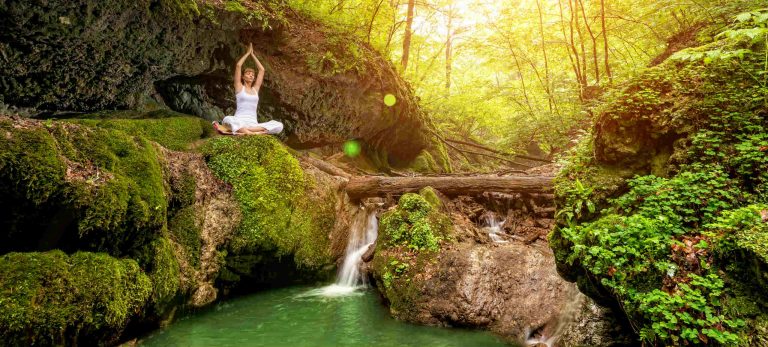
(82, 56)
(662, 210)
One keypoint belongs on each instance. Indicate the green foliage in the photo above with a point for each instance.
(621, 249)
(683, 251)
(743, 230)
(415, 223)
(690, 198)
(48, 298)
(272, 190)
(578, 201)
(395, 269)
(262, 13)
(631, 256)
(690, 314)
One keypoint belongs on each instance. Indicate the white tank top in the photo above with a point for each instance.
(247, 104)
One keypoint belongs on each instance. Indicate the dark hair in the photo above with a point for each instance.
(244, 72)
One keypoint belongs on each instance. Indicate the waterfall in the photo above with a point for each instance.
(362, 235)
(360, 238)
(493, 226)
(550, 334)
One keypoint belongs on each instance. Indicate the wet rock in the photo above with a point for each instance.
(510, 287)
(368, 255)
(215, 217)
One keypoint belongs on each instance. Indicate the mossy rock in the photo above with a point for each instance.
(163, 271)
(56, 299)
(424, 163)
(410, 238)
(78, 187)
(184, 229)
(283, 215)
(170, 129)
(416, 223)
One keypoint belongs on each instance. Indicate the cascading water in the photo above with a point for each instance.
(359, 242)
(362, 235)
(493, 226)
(549, 336)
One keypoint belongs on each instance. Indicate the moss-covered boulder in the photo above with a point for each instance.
(78, 187)
(410, 238)
(52, 298)
(90, 55)
(659, 210)
(281, 216)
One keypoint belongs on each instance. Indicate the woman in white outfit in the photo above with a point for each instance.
(247, 86)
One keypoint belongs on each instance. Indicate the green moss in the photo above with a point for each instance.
(49, 298)
(415, 223)
(98, 189)
(170, 129)
(279, 214)
(424, 163)
(315, 216)
(430, 194)
(397, 274)
(184, 228)
(30, 162)
(164, 273)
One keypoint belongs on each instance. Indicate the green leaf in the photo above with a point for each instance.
(743, 17)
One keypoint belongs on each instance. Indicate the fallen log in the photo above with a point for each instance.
(370, 186)
(327, 167)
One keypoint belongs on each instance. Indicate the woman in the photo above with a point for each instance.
(247, 86)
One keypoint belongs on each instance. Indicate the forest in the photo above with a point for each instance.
(553, 173)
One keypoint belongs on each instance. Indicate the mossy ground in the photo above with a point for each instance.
(174, 131)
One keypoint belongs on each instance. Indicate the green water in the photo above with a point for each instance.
(288, 317)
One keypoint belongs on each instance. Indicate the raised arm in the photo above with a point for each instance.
(239, 70)
(260, 77)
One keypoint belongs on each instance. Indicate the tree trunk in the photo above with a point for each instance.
(570, 48)
(547, 83)
(363, 187)
(408, 33)
(448, 51)
(594, 42)
(373, 19)
(605, 42)
(575, 16)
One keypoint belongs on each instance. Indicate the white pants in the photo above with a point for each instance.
(238, 122)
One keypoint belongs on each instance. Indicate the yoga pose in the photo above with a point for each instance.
(247, 86)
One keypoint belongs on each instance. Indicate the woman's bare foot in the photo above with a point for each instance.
(219, 130)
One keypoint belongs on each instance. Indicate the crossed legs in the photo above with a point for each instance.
(252, 131)
(224, 129)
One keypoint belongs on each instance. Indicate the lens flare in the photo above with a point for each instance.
(352, 148)
(390, 100)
